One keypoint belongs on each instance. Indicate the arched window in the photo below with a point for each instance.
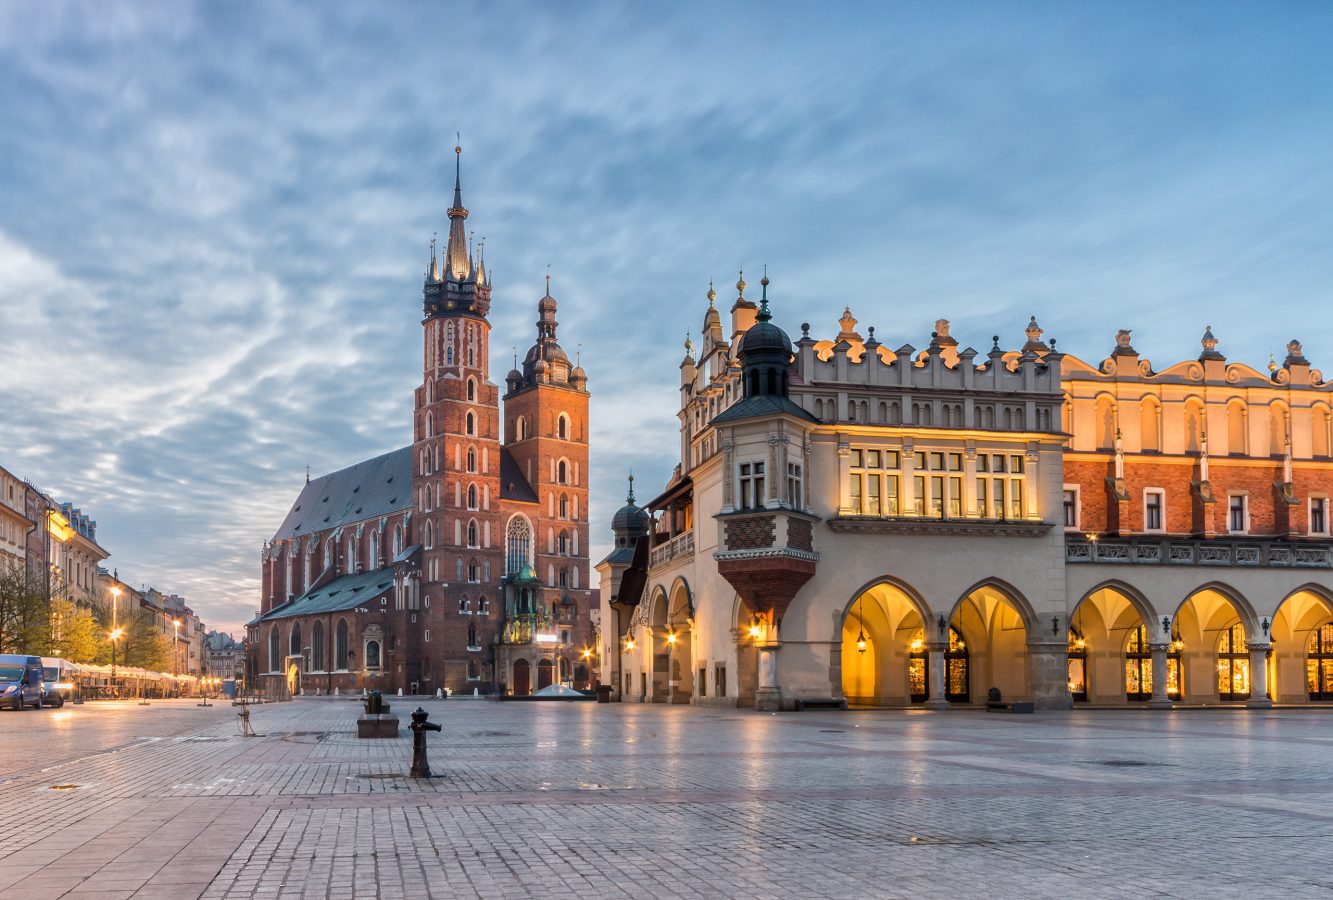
(1319, 663)
(471, 423)
(430, 425)
(1319, 443)
(294, 641)
(471, 496)
(520, 429)
(564, 506)
(372, 654)
(472, 459)
(1105, 423)
(374, 562)
(472, 533)
(428, 535)
(563, 544)
(564, 577)
(1237, 415)
(1150, 425)
(473, 571)
(472, 634)
(1277, 429)
(351, 554)
(397, 540)
(317, 647)
(328, 553)
(1138, 667)
(1194, 425)
(274, 651)
(957, 675)
(518, 544)
(471, 389)
(562, 427)
(1233, 665)
(340, 646)
(562, 472)
(309, 562)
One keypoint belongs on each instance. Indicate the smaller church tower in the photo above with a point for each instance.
(546, 437)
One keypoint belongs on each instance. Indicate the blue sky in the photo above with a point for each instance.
(214, 218)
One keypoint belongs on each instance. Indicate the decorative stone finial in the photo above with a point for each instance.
(689, 344)
(1209, 341)
(629, 498)
(740, 284)
(712, 294)
(1272, 363)
(1033, 331)
(1295, 355)
(805, 330)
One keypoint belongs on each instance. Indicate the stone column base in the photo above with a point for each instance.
(1160, 704)
(1258, 703)
(768, 699)
(935, 704)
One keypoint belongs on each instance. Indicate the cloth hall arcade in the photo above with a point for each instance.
(855, 524)
(457, 562)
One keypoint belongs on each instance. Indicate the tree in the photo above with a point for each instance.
(143, 645)
(75, 633)
(24, 611)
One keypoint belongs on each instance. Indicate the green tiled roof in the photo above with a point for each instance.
(347, 592)
(764, 405)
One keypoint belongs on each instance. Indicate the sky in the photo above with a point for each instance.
(215, 218)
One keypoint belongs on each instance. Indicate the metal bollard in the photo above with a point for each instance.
(419, 726)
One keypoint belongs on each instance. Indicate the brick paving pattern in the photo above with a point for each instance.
(116, 800)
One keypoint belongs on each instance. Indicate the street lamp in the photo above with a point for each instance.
(115, 636)
(175, 647)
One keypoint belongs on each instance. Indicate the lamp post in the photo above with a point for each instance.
(175, 646)
(115, 636)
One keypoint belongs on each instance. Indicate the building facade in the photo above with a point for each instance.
(855, 524)
(458, 562)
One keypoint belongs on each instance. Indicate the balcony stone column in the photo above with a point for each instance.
(1160, 699)
(935, 679)
(1259, 675)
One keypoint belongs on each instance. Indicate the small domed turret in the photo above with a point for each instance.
(630, 522)
(765, 354)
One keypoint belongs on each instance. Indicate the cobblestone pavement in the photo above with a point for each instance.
(116, 800)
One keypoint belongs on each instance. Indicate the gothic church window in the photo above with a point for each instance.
(317, 647)
(562, 427)
(518, 544)
(471, 389)
(471, 459)
(472, 533)
(471, 420)
(340, 646)
(471, 496)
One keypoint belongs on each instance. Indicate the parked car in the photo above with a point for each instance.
(20, 681)
(57, 681)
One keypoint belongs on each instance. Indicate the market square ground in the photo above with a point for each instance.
(169, 801)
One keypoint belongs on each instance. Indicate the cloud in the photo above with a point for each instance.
(213, 222)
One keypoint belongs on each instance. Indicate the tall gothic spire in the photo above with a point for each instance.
(456, 264)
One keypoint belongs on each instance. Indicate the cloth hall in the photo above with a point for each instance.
(459, 561)
(855, 524)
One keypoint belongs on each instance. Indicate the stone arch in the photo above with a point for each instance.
(1013, 595)
(1136, 598)
(912, 594)
(1105, 421)
(681, 601)
(1100, 625)
(1237, 600)
(881, 635)
(997, 623)
(1300, 615)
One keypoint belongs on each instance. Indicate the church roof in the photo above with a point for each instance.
(371, 488)
(762, 405)
(347, 592)
(513, 486)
